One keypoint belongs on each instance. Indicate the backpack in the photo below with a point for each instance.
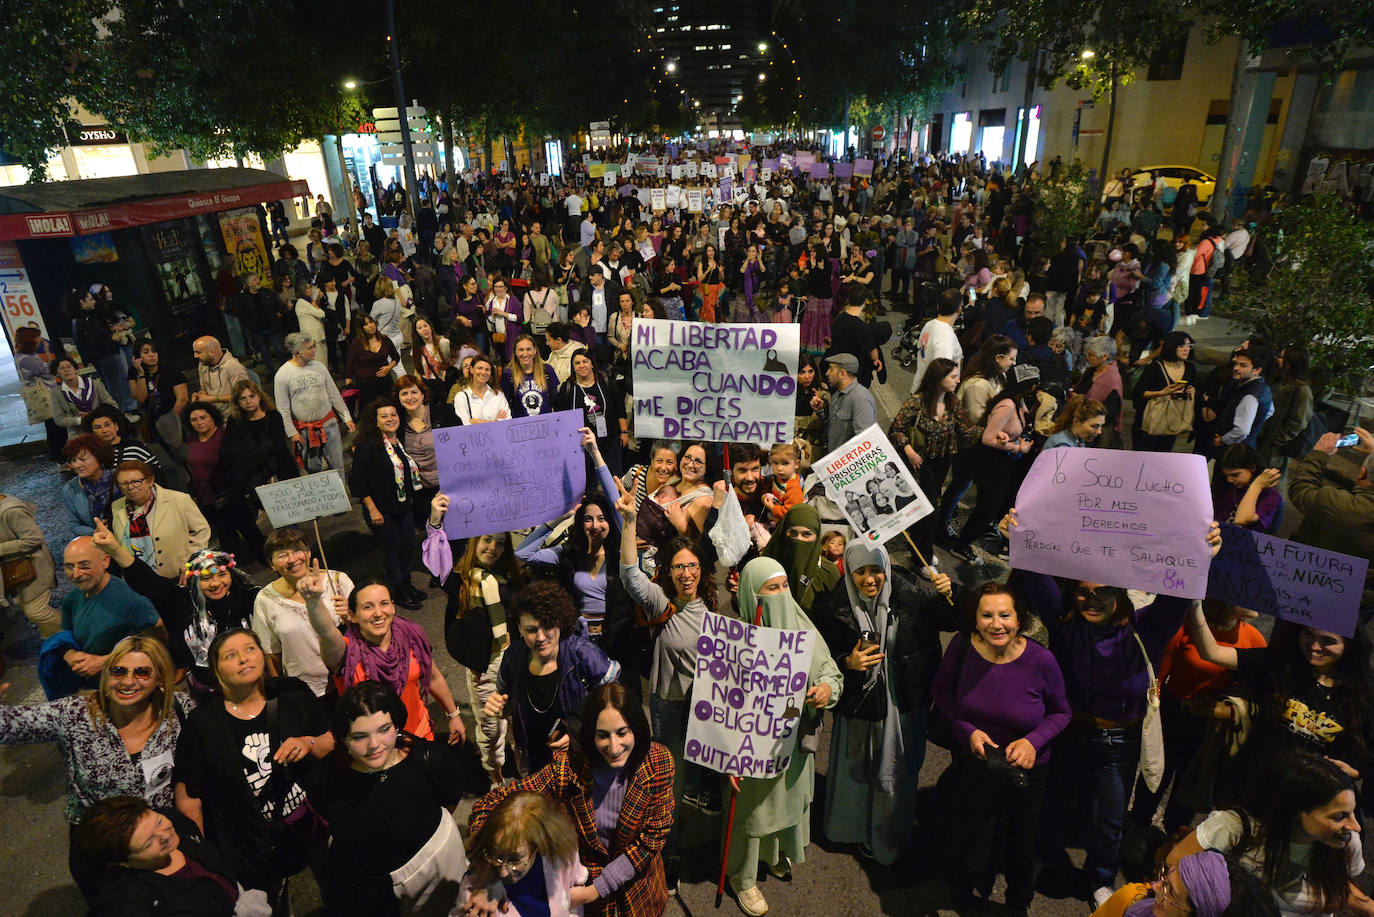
(1217, 259)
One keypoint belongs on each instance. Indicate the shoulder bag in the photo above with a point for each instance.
(1151, 728)
(1168, 415)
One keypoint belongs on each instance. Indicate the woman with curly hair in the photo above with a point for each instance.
(547, 672)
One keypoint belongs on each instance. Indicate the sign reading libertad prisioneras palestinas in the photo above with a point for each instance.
(717, 383)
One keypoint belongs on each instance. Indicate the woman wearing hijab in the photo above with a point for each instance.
(884, 634)
(773, 814)
(796, 546)
(1204, 884)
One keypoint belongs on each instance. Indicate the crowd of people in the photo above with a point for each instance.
(232, 710)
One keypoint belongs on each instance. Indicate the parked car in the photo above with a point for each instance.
(1174, 178)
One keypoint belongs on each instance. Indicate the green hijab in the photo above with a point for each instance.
(780, 610)
(808, 573)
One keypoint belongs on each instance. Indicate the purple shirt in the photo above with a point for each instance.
(1226, 498)
(608, 794)
(1008, 701)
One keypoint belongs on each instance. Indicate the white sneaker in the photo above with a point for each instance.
(751, 901)
(1100, 896)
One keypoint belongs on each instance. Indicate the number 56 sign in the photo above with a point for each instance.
(1132, 519)
(17, 299)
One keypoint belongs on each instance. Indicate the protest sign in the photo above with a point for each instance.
(1132, 519)
(674, 196)
(727, 185)
(694, 200)
(765, 174)
(646, 250)
(771, 164)
(820, 170)
(748, 695)
(658, 199)
(805, 160)
(863, 167)
(692, 169)
(608, 179)
(843, 169)
(596, 170)
(543, 179)
(708, 169)
(786, 162)
(510, 474)
(717, 383)
(751, 173)
(630, 159)
(677, 171)
(1296, 582)
(866, 477)
(302, 499)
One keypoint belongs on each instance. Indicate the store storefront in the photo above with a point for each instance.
(158, 241)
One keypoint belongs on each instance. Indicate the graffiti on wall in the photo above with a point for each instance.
(1344, 175)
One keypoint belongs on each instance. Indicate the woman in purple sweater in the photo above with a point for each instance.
(1003, 696)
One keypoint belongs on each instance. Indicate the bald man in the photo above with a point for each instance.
(218, 371)
(97, 614)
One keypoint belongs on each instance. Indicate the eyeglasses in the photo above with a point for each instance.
(691, 460)
(132, 485)
(141, 672)
(685, 568)
(1164, 892)
(510, 862)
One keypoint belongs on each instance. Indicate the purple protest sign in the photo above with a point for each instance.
(819, 170)
(863, 167)
(727, 189)
(771, 164)
(510, 474)
(1132, 519)
(1288, 580)
(843, 169)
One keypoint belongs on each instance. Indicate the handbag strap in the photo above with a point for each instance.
(1149, 667)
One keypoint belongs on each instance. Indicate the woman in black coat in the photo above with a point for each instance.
(884, 633)
(385, 478)
(255, 452)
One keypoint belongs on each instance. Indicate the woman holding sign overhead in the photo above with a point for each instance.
(1314, 690)
(1106, 649)
(773, 814)
(884, 633)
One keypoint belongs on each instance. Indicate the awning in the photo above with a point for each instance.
(52, 210)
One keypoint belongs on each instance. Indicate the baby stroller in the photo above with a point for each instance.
(908, 342)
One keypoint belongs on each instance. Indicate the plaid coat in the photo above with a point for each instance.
(645, 819)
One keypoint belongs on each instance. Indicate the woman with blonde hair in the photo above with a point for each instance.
(527, 381)
(524, 857)
(387, 312)
(118, 739)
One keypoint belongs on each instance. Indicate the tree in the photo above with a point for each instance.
(1319, 293)
(1065, 205)
(1089, 45)
(131, 62)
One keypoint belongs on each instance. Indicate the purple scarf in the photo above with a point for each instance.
(390, 666)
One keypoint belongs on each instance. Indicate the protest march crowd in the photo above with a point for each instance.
(234, 710)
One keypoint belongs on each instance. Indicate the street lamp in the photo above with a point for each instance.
(1087, 54)
(671, 66)
(350, 84)
(763, 47)
(762, 77)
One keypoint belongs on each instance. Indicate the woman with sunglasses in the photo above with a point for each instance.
(118, 739)
(1203, 884)
(1105, 647)
(162, 526)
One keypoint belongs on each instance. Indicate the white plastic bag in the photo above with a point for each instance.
(730, 534)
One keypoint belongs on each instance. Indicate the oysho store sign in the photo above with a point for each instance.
(98, 135)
